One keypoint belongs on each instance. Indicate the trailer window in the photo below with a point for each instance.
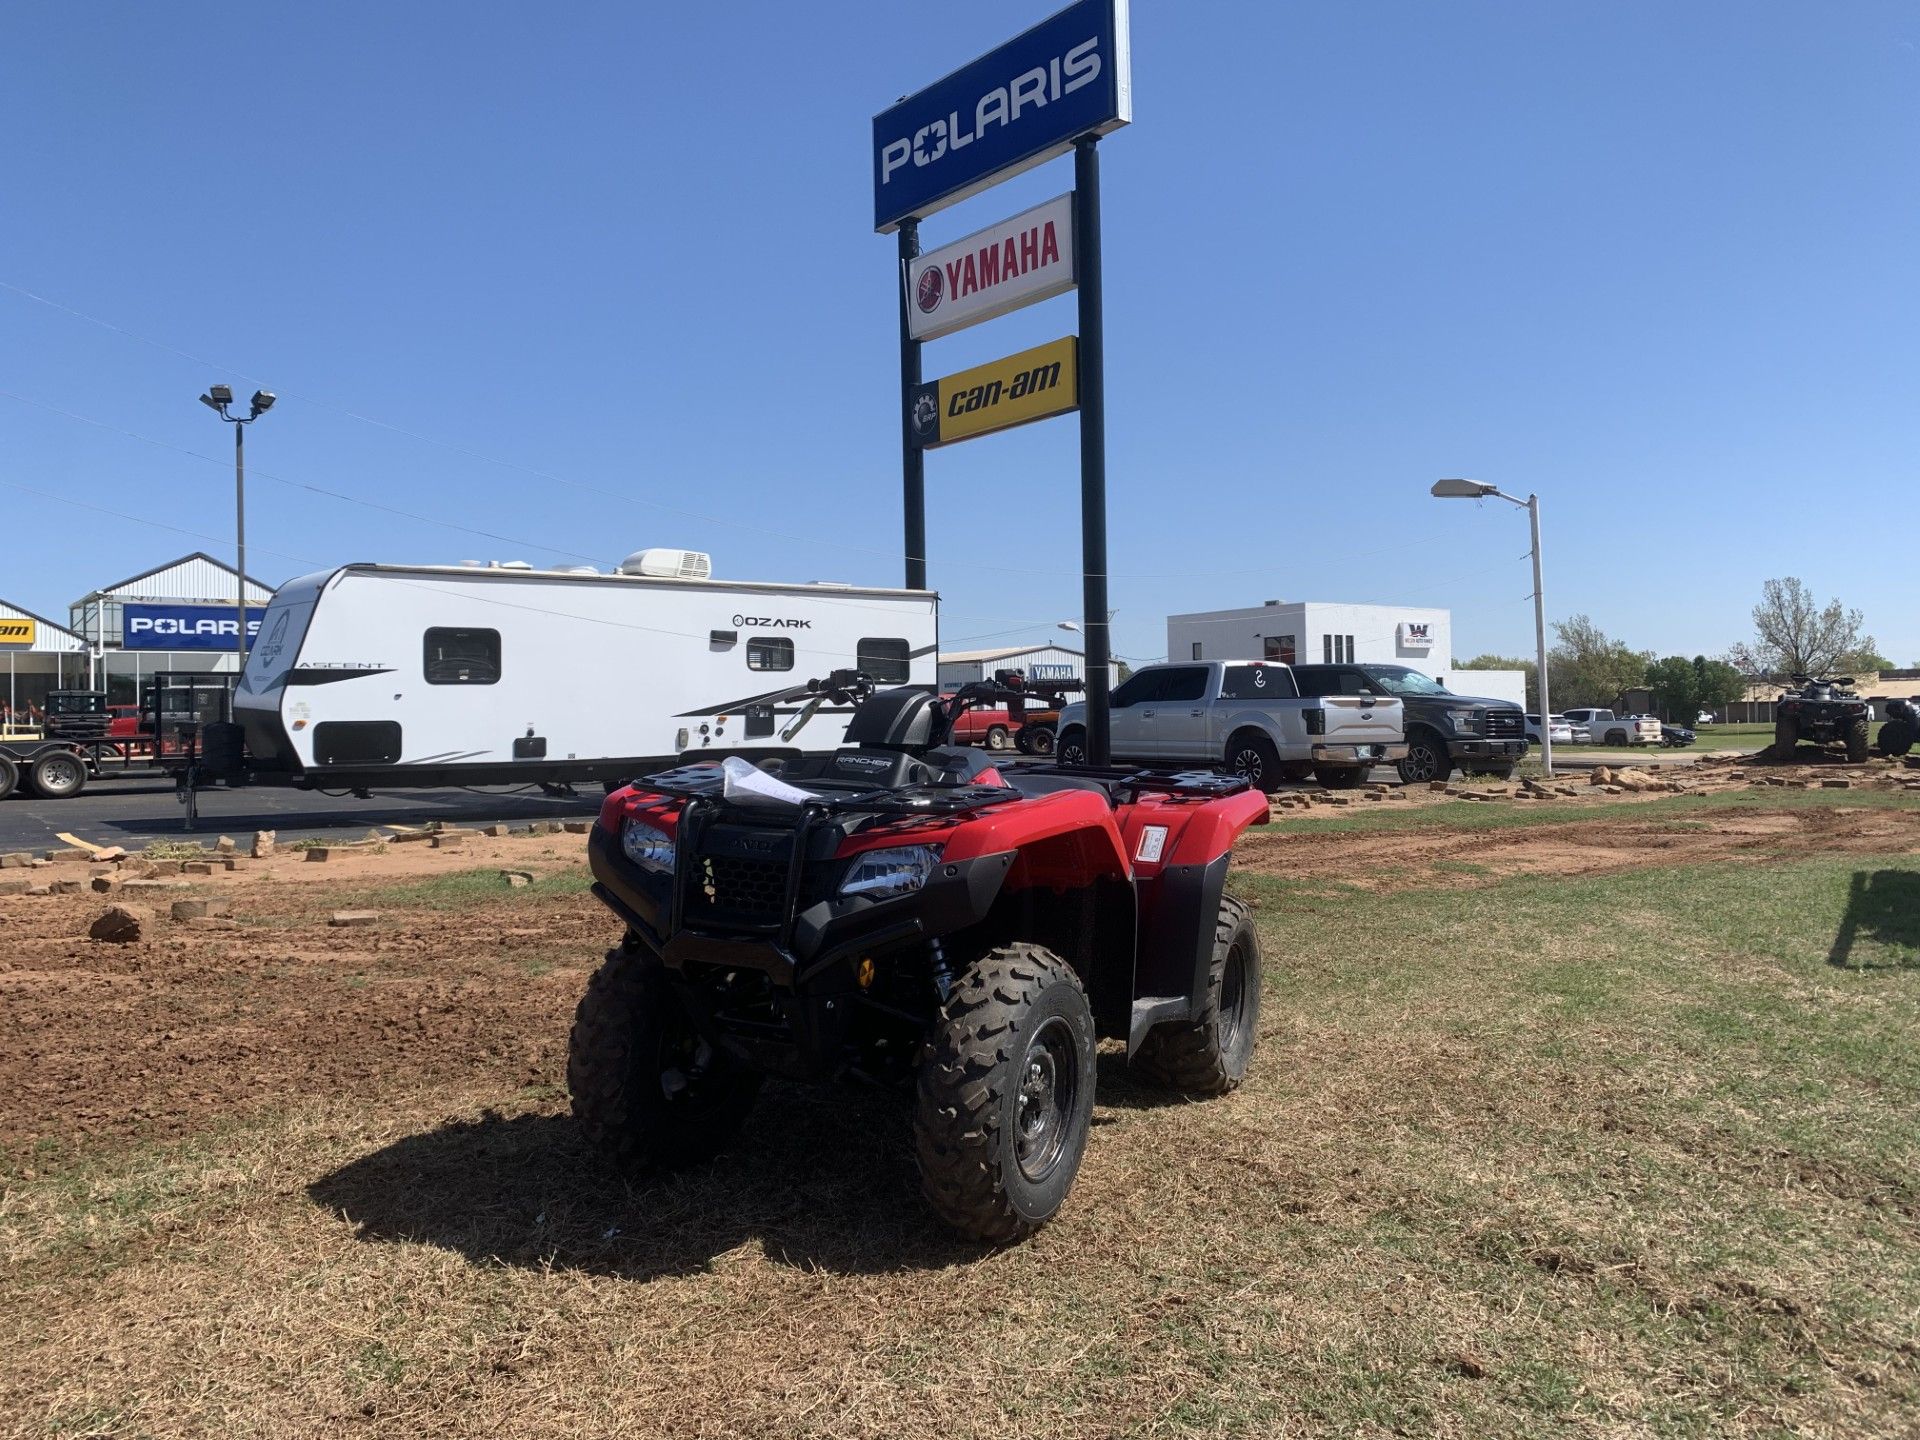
(885, 660)
(463, 657)
(769, 652)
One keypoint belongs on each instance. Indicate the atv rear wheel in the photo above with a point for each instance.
(1251, 756)
(1857, 740)
(1209, 1055)
(1072, 749)
(647, 1090)
(1786, 737)
(1341, 777)
(1006, 1095)
(1896, 737)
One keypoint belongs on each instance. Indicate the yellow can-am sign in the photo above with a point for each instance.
(16, 634)
(1032, 385)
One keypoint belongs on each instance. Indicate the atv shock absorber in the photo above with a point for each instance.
(942, 972)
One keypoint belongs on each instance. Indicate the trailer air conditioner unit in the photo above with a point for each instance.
(669, 564)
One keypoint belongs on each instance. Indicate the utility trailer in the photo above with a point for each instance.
(395, 676)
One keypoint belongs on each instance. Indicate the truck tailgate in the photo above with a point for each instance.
(1362, 719)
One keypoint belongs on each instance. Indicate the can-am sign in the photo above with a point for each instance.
(1016, 390)
(1011, 109)
(184, 627)
(1017, 262)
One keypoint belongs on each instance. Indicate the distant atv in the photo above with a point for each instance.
(1902, 727)
(1825, 711)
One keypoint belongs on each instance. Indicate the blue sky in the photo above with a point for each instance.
(593, 277)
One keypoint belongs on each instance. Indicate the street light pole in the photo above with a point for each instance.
(217, 399)
(1475, 490)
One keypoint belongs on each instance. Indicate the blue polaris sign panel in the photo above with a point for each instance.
(1011, 109)
(184, 627)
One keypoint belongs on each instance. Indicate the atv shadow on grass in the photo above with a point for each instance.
(819, 1179)
(1883, 908)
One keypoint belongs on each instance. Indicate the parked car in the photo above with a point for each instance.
(1676, 737)
(1445, 731)
(1250, 717)
(1558, 730)
(1705, 717)
(995, 729)
(1606, 728)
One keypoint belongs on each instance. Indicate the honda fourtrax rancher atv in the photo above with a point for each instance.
(904, 911)
(1823, 711)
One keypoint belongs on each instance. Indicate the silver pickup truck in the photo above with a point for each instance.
(1245, 716)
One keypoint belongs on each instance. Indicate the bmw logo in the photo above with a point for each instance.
(928, 293)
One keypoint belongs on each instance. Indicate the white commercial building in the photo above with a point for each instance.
(180, 616)
(1307, 632)
(1040, 662)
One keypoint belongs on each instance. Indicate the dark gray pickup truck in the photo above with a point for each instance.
(1444, 731)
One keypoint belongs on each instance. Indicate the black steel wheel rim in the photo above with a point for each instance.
(1233, 997)
(1049, 1087)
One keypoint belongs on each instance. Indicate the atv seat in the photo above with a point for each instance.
(1028, 783)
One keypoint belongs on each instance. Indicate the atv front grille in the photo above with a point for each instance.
(1504, 725)
(734, 889)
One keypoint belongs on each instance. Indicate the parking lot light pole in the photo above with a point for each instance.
(1473, 490)
(217, 399)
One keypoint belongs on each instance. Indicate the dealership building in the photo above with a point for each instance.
(1040, 662)
(176, 617)
(1322, 632)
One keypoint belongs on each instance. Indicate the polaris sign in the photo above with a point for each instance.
(1008, 111)
(184, 627)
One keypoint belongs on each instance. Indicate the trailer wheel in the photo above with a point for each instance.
(9, 777)
(1209, 1055)
(648, 1092)
(1006, 1095)
(59, 776)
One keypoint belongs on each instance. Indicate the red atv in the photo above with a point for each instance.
(903, 911)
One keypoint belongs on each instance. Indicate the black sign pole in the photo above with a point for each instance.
(1093, 441)
(913, 462)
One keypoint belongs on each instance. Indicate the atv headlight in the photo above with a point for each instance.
(648, 846)
(1465, 721)
(882, 874)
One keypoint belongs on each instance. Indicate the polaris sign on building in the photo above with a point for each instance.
(183, 627)
(1008, 111)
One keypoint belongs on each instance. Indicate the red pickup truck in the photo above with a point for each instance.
(994, 729)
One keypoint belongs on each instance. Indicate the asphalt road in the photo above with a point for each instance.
(132, 812)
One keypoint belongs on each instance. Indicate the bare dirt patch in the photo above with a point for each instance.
(1448, 859)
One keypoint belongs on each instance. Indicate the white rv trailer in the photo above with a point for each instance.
(420, 675)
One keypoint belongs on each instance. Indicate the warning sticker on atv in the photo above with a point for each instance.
(1033, 385)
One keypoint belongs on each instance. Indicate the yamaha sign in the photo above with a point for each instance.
(184, 627)
(1012, 109)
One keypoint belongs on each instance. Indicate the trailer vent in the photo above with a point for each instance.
(669, 564)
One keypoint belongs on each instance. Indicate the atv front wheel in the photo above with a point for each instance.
(1072, 749)
(1857, 740)
(1896, 737)
(647, 1090)
(1006, 1095)
(1209, 1055)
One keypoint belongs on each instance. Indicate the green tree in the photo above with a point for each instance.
(1508, 662)
(1682, 688)
(1792, 635)
(1586, 667)
(1865, 660)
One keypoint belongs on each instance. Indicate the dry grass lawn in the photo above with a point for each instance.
(1630, 1152)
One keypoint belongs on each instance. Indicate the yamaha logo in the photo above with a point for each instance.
(932, 286)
